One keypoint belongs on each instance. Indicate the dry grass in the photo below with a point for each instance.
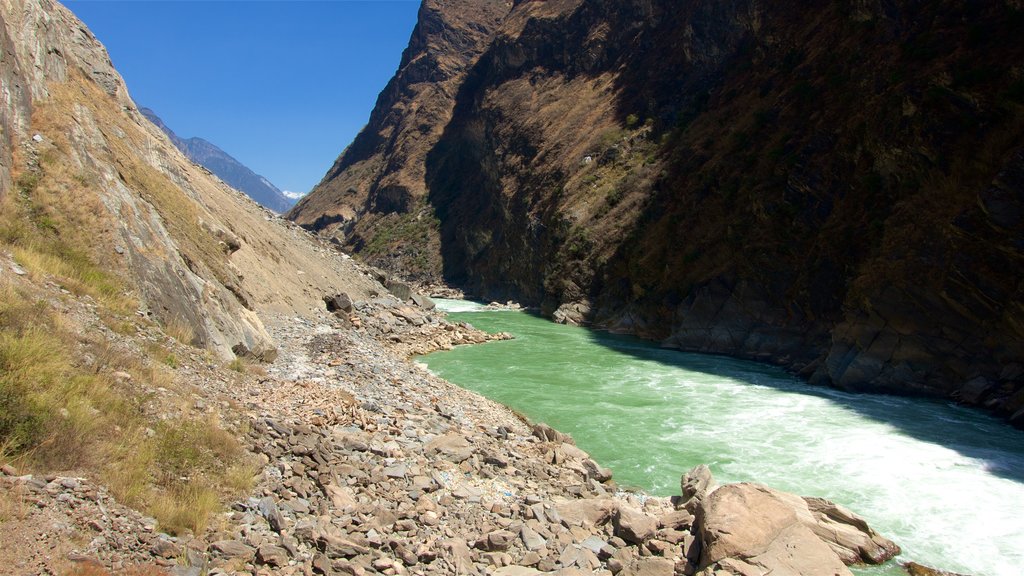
(241, 477)
(58, 413)
(12, 504)
(185, 508)
(60, 406)
(180, 329)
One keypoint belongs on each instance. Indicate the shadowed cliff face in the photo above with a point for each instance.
(835, 187)
(374, 197)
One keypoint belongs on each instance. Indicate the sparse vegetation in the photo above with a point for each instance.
(179, 329)
(62, 407)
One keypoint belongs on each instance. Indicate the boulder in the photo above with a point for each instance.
(746, 528)
(549, 434)
(499, 540)
(634, 526)
(587, 512)
(269, 510)
(531, 540)
(340, 302)
(400, 290)
(596, 471)
(423, 301)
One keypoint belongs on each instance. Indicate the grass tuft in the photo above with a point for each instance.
(185, 508)
(180, 329)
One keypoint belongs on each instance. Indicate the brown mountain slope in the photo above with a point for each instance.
(832, 187)
(89, 173)
(377, 184)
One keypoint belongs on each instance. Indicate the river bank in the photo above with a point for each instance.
(892, 459)
(368, 464)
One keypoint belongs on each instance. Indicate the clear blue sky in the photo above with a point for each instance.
(283, 86)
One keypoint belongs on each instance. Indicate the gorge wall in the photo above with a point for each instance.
(837, 188)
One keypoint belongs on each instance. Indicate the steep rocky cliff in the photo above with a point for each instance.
(833, 187)
(87, 169)
(374, 197)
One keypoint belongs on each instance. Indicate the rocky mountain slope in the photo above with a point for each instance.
(225, 167)
(104, 178)
(376, 189)
(836, 188)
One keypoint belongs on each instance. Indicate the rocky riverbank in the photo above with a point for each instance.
(369, 464)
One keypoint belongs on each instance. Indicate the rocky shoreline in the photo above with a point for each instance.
(369, 464)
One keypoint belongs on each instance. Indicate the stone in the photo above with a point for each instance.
(400, 290)
(678, 519)
(594, 544)
(596, 471)
(516, 571)
(341, 497)
(233, 549)
(458, 553)
(569, 555)
(322, 565)
(587, 512)
(973, 391)
(423, 301)
(337, 546)
(165, 549)
(634, 526)
(339, 302)
(498, 540)
(531, 540)
(650, 566)
(549, 434)
(272, 555)
(397, 471)
(695, 485)
(915, 569)
(453, 447)
(269, 510)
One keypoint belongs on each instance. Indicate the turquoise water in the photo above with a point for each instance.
(944, 482)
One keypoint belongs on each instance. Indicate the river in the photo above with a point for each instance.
(944, 482)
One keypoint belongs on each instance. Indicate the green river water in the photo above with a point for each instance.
(944, 482)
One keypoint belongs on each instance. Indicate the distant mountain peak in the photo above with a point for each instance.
(226, 167)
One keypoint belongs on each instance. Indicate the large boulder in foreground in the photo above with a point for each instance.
(752, 529)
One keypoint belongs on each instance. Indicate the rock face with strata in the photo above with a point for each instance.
(835, 188)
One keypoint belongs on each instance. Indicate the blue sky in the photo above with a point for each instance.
(283, 86)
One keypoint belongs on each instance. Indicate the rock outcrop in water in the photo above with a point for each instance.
(835, 187)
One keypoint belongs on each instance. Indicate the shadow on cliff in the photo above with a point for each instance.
(995, 444)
